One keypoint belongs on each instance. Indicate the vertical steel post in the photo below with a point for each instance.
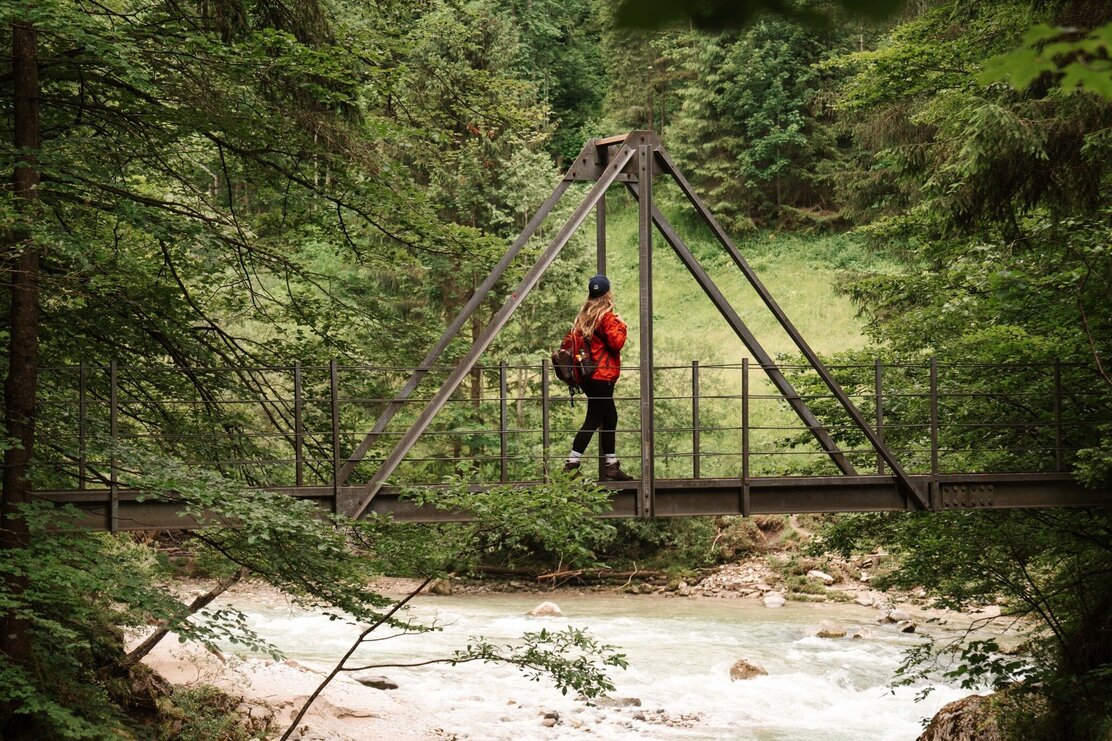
(601, 155)
(113, 432)
(646, 498)
(600, 236)
(82, 421)
(546, 432)
(1059, 457)
(695, 419)
(298, 428)
(879, 391)
(745, 504)
(934, 497)
(334, 384)
(503, 422)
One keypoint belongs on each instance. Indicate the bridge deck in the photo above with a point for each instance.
(674, 498)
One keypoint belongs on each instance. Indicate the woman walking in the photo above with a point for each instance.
(605, 334)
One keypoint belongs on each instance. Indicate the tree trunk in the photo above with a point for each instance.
(19, 386)
(199, 603)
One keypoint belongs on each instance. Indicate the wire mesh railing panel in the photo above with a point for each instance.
(299, 425)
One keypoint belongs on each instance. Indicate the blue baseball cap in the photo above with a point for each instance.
(598, 286)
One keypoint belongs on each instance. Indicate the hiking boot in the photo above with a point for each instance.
(613, 472)
(571, 469)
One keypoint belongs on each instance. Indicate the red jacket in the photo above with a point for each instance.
(606, 347)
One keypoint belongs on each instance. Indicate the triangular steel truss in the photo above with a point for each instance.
(631, 159)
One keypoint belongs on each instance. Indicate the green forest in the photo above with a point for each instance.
(205, 195)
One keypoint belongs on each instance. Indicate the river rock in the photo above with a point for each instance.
(829, 629)
(822, 576)
(548, 722)
(874, 559)
(549, 714)
(744, 669)
(545, 609)
(763, 587)
(441, 587)
(864, 600)
(309, 735)
(320, 705)
(896, 615)
(774, 599)
(660, 716)
(968, 719)
(991, 611)
(617, 702)
(905, 626)
(375, 681)
(863, 633)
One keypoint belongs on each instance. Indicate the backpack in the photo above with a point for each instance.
(573, 363)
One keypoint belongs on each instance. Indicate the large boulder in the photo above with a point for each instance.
(968, 719)
(745, 669)
(822, 576)
(545, 609)
(829, 629)
(442, 587)
(616, 702)
(774, 599)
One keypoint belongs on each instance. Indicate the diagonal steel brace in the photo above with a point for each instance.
(783, 385)
(812, 358)
(436, 403)
(453, 329)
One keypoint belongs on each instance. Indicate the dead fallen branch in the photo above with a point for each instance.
(601, 575)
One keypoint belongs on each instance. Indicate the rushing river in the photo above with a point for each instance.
(679, 651)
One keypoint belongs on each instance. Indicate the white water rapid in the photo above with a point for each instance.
(679, 650)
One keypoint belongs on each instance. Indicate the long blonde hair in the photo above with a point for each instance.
(592, 313)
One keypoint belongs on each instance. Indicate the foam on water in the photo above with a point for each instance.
(680, 653)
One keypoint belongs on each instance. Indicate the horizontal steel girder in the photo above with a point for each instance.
(674, 498)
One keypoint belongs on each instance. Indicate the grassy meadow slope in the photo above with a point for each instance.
(801, 272)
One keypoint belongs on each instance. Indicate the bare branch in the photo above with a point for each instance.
(340, 665)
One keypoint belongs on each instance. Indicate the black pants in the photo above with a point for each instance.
(601, 415)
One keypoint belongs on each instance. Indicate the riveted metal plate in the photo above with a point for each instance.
(591, 162)
(966, 496)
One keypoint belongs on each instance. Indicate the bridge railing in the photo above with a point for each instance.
(297, 425)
